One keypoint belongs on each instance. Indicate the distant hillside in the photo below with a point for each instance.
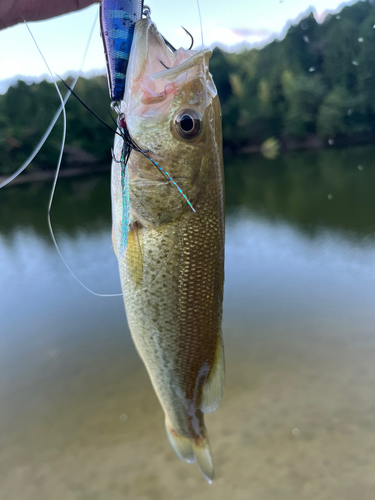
(26, 111)
(315, 86)
(318, 81)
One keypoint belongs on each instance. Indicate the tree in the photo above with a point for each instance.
(333, 112)
(304, 95)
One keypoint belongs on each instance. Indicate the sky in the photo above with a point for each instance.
(231, 24)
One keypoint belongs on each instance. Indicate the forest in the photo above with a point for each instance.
(314, 88)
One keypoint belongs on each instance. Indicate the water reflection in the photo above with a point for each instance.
(309, 190)
(298, 411)
(78, 205)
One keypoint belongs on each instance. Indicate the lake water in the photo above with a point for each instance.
(78, 417)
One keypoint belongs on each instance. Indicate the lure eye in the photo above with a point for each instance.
(188, 123)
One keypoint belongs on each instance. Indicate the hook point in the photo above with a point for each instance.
(191, 36)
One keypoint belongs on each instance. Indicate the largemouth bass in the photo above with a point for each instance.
(172, 273)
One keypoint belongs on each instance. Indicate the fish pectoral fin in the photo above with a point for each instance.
(134, 255)
(213, 388)
(190, 451)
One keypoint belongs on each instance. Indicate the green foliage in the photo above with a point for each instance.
(332, 110)
(366, 61)
(318, 81)
(303, 95)
(27, 110)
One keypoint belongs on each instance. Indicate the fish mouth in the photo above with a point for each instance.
(154, 71)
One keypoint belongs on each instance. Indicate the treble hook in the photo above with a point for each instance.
(114, 156)
(191, 36)
(165, 66)
(170, 46)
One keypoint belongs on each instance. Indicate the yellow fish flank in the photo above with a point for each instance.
(172, 273)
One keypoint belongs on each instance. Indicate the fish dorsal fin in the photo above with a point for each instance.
(213, 388)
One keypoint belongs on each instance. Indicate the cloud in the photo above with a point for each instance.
(235, 38)
(251, 32)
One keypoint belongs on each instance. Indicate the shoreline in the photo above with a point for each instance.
(43, 176)
(311, 142)
(272, 150)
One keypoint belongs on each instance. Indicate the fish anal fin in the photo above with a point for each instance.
(191, 450)
(134, 255)
(181, 445)
(214, 385)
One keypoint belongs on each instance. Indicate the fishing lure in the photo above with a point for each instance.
(117, 20)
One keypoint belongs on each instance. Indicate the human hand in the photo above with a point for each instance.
(15, 11)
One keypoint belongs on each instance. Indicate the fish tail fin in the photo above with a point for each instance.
(188, 450)
(204, 460)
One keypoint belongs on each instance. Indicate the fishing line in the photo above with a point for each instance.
(200, 22)
(133, 144)
(56, 178)
(129, 143)
(55, 118)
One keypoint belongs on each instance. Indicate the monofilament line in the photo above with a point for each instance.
(54, 119)
(56, 178)
(200, 22)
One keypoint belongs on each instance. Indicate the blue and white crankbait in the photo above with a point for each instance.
(117, 20)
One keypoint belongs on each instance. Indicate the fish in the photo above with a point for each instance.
(172, 273)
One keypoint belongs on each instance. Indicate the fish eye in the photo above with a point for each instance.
(188, 123)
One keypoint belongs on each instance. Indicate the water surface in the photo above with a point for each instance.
(78, 417)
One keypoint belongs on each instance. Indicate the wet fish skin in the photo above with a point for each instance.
(172, 274)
